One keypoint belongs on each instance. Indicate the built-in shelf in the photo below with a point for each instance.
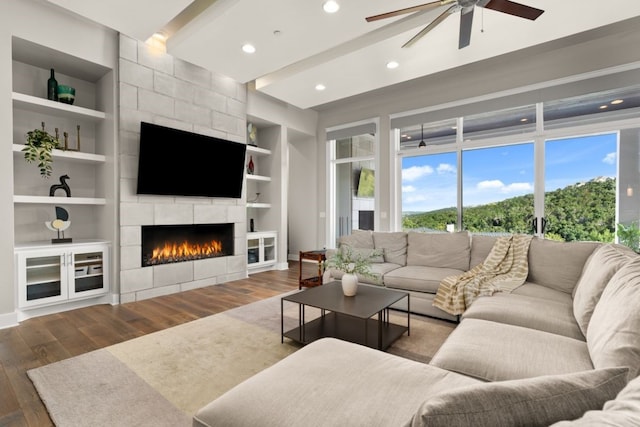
(259, 205)
(47, 200)
(258, 178)
(71, 155)
(60, 109)
(258, 151)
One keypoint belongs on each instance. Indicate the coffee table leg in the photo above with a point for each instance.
(380, 314)
(281, 321)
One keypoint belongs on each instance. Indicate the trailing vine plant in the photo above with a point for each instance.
(38, 149)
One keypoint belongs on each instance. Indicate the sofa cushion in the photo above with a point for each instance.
(494, 351)
(624, 410)
(445, 250)
(393, 246)
(418, 278)
(603, 263)
(531, 312)
(480, 248)
(331, 383)
(613, 334)
(558, 265)
(357, 239)
(539, 291)
(532, 402)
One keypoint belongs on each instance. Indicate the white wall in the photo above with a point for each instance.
(49, 26)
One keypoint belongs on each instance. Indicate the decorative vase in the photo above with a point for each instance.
(250, 166)
(52, 87)
(349, 284)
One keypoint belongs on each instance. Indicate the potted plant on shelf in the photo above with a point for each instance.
(38, 148)
(352, 262)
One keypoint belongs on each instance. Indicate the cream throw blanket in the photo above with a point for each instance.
(505, 268)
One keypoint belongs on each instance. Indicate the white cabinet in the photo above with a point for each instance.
(261, 250)
(50, 274)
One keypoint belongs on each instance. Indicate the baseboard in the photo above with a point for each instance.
(8, 320)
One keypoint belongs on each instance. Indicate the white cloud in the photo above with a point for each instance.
(414, 199)
(408, 189)
(487, 185)
(446, 168)
(610, 159)
(496, 184)
(415, 172)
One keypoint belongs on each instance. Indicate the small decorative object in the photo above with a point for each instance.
(255, 199)
(352, 262)
(66, 94)
(78, 144)
(52, 87)
(62, 186)
(252, 134)
(59, 225)
(38, 148)
(251, 226)
(250, 166)
(66, 140)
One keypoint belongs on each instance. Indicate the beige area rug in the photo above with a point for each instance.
(163, 378)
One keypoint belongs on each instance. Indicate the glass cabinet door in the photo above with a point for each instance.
(88, 273)
(253, 251)
(42, 278)
(269, 249)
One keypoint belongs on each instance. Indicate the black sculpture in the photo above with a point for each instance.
(63, 185)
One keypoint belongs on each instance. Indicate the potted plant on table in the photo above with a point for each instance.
(352, 262)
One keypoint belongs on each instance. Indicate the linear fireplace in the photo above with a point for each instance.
(164, 244)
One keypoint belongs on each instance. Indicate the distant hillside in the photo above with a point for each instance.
(583, 211)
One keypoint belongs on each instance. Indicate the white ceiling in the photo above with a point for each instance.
(341, 51)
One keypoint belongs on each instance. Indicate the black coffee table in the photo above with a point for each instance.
(347, 318)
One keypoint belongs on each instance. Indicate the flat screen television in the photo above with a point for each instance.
(174, 162)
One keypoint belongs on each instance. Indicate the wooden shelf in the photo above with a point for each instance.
(259, 205)
(45, 106)
(46, 200)
(70, 155)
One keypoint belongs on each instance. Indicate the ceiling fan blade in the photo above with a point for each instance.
(412, 9)
(515, 9)
(430, 27)
(466, 22)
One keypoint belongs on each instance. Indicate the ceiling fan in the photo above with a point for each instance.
(466, 8)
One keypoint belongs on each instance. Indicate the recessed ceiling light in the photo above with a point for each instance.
(604, 107)
(392, 64)
(331, 6)
(320, 86)
(617, 101)
(524, 119)
(248, 48)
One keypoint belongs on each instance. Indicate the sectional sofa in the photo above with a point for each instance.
(564, 347)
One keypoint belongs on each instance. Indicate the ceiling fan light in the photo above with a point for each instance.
(330, 6)
(422, 144)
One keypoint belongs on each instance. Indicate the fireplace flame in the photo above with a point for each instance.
(185, 251)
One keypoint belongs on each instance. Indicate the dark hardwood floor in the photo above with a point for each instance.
(46, 339)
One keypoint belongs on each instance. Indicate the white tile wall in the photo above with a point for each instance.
(160, 89)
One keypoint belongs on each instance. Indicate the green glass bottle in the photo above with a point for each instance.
(52, 87)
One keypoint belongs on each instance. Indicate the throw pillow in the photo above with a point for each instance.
(357, 239)
(393, 245)
(623, 411)
(538, 401)
(613, 335)
(603, 263)
(445, 250)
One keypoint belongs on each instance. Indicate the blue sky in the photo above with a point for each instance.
(498, 173)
